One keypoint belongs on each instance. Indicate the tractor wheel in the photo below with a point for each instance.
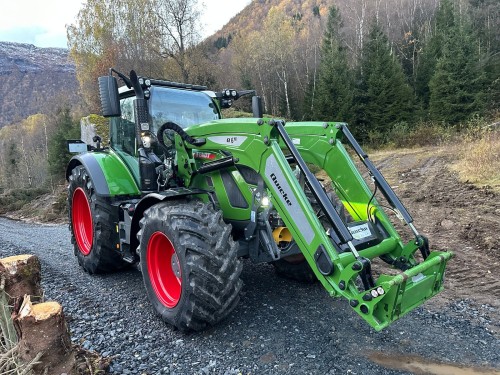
(295, 267)
(189, 264)
(91, 222)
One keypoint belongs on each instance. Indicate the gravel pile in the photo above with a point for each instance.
(279, 327)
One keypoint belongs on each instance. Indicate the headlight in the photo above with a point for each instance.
(265, 201)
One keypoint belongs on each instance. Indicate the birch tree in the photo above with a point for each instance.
(131, 34)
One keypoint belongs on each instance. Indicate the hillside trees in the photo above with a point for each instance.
(280, 61)
(58, 155)
(23, 152)
(457, 85)
(267, 62)
(406, 21)
(442, 26)
(485, 18)
(175, 29)
(144, 35)
(34, 151)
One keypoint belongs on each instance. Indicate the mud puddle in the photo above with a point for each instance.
(421, 366)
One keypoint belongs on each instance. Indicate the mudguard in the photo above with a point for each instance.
(153, 198)
(109, 173)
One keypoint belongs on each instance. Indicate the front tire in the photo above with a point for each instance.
(189, 264)
(295, 267)
(91, 223)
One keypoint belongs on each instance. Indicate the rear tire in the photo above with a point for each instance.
(92, 223)
(189, 264)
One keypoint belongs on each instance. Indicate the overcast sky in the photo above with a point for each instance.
(42, 22)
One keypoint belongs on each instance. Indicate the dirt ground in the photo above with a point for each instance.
(454, 216)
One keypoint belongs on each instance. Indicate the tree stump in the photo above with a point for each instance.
(38, 332)
(43, 329)
(22, 275)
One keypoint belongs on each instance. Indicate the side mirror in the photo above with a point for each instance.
(108, 91)
(76, 146)
(257, 109)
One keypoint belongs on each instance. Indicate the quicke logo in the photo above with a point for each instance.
(359, 229)
(280, 189)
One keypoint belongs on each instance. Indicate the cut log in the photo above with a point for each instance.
(43, 329)
(22, 275)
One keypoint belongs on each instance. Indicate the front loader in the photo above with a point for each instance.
(186, 194)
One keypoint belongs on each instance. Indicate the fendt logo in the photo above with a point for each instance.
(280, 189)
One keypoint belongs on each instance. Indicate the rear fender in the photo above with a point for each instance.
(110, 175)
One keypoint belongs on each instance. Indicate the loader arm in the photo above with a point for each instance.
(267, 148)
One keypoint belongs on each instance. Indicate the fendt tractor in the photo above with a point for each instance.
(186, 194)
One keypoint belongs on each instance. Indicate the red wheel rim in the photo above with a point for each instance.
(164, 269)
(82, 221)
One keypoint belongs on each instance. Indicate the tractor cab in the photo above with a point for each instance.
(140, 142)
(182, 106)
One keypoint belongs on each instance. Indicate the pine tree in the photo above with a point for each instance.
(59, 156)
(383, 97)
(13, 159)
(457, 86)
(485, 17)
(442, 26)
(335, 84)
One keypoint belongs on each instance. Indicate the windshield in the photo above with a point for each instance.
(183, 107)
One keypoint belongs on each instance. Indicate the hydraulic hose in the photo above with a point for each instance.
(176, 128)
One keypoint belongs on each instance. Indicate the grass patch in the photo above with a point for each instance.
(37, 204)
(404, 135)
(13, 200)
(234, 113)
(479, 158)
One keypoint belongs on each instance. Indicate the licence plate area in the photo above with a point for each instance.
(364, 234)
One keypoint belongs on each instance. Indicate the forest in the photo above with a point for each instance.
(402, 73)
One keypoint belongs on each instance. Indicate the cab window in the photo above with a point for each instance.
(123, 128)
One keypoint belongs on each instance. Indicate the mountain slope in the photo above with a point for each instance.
(34, 80)
(252, 17)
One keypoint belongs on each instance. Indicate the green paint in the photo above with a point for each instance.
(118, 176)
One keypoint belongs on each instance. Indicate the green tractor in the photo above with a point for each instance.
(187, 194)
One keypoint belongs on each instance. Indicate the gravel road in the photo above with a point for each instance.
(279, 327)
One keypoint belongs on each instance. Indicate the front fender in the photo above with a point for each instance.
(110, 175)
(153, 198)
